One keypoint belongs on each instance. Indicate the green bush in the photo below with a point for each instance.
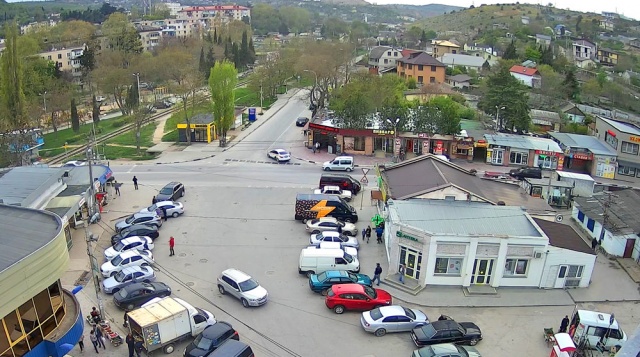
(412, 83)
(118, 123)
(467, 113)
(171, 136)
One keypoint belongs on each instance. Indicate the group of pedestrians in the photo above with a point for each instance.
(366, 233)
(97, 338)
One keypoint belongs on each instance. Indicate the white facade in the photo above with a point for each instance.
(526, 79)
(612, 244)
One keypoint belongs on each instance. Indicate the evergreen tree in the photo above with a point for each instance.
(75, 119)
(202, 62)
(252, 53)
(423, 37)
(571, 85)
(210, 60)
(208, 38)
(547, 56)
(510, 53)
(504, 90)
(236, 55)
(244, 50)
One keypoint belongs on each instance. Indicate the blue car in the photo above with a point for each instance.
(322, 282)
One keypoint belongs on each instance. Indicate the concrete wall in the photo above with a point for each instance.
(554, 257)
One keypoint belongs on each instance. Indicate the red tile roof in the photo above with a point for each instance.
(214, 7)
(526, 71)
(407, 52)
(421, 58)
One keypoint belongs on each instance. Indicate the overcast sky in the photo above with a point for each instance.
(630, 8)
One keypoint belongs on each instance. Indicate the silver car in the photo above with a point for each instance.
(148, 218)
(174, 209)
(446, 350)
(126, 276)
(331, 224)
(243, 287)
(393, 318)
(334, 237)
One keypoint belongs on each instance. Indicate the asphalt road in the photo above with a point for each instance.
(240, 214)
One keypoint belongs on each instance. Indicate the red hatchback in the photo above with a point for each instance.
(355, 297)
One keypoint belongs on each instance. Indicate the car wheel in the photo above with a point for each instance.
(380, 332)
(327, 169)
(245, 303)
(309, 273)
(130, 307)
(348, 220)
(473, 342)
(325, 292)
(221, 289)
(168, 349)
(315, 232)
(338, 309)
(349, 169)
(175, 215)
(182, 193)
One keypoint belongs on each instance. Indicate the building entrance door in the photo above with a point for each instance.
(497, 156)
(412, 260)
(482, 270)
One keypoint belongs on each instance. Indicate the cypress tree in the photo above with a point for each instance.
(75, 119)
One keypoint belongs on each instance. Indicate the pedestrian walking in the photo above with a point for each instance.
(164, 213)
(125, 319)
(402, 271)
(171, 244)
(138, 346)
(376, 274)
(379, 232)
(94, 339)
(364, 233)
(594, 243)
(95, 315)
(154, 200)
(117, 186)
(564, 324)
(131, 343)
(81, 342)
(313, 147)
(135, 182)
(317, 146)
(100, 336)
(368, 233)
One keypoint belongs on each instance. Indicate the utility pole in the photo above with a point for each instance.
(92, 216)
(605, 213)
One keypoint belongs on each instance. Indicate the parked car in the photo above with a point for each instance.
(241, 286)
(147, 218)
(340, 163)
(302, 121)
(128, 276)
(173, 208)
(161, 105)
(135, 230)
(346, 182)
(328, 236)
(124, 260)
(210, 339)
(150, 109)
(334, 190)
(336, 245)
(280, 155)
(446, 350)
(131, 243)
(137, 294)
(355, 297)
(321, 283)
(331, 224)
(526, 172)
(75, 163)
(170, 192)
(446, 331)
(394, 318)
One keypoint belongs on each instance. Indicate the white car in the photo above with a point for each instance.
(174, 209)
(130, 243)
(335, 245)
(393, 318)
(124, 260)
(75, 163)
(327, 236)
(331, 224)
(279, 155)
(242, 286)
(128, 276)
(335, 191)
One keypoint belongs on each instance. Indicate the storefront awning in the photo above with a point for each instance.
(65, 201)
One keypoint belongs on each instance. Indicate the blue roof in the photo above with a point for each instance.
(591, 143)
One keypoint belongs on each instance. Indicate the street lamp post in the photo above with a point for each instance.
(498, 120)
(315, 85)
(396, 150)
(44, 100)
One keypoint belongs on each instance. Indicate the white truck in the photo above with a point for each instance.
(163, 322)
(335, 191)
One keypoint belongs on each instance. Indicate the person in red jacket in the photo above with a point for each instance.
(171, 244)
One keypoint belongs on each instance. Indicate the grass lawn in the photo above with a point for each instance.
(171, 137)
(56, 140)
(125, 152)
(129, 138)
(248, 98)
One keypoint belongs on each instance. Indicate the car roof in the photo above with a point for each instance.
(348, 288)
(165, 203)
(280, 150)
(335, 273)
(332, 187)
(236, 274)
(133, 239)
(444, 348)
(143, 214)
(326, 219)
(229, 347)
(131, 270)
(129, 253)
(331, 234)
(445, 325)
(139, 226)
(136, 286)
(393, 310)
(172, 184)
(214, 331)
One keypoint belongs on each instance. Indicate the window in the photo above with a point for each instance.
(410, 66)
(358, 143)
(420, 67)
(420, 79)
(59, 55)
(516, 267)
(449, 266)
(386, 61)
(626, 170)
(389, 53)
(575, 271)
(629, 148)
(519, 158)
(432, 79)
(611, 140)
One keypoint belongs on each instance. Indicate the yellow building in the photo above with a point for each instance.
(607, 57)
(442, 47)
(201, 129)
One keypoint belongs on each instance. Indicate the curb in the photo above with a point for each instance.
(181, 162)
(318, 163)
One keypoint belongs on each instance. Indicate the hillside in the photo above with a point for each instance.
(423, 11)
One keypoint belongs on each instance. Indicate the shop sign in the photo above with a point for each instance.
(481, 144)
(383, 132)
(583, 156)
(423, 135)
(323, 127)
(406, 236)
(199, 126)
(82, 201)
(544, 152)
(438, 150)
(635, 139)
(425, 146)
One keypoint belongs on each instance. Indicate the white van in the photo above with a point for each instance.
(319, 260)
(337, 245)
(597, 328)
(340, 163)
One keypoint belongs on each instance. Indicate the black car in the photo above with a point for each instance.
(526, 172)
(210, 339)
(171, 192)
(135, 230)
(302, 121)
(137, 294)
(446, 331)
(161, 105)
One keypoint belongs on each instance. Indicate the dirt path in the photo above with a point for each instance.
(159, 132)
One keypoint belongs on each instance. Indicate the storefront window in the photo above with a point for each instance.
(519, 158)
(516, 267)
(626, 170)
(358, 143)
(611, 140)
(448, 266)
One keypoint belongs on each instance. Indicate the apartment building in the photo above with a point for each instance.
(66, 60)
(421, 66)
(624, 138)
(214, 15)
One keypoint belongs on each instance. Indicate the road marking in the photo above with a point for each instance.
(131, 169)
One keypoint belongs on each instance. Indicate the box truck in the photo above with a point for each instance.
(164, 322)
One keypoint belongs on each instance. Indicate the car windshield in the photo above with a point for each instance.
(371, 292)
(166, 191)
(130, 219)
(120, 277)
(122, 293)
(375, 314)
(116, 261)
(348, 258)
(322, 277)
(202, 342)
(315, 221)
(428, 330)
(409, 313)
(152, 208)
(248, 285)
(119, 246)
(352, 277)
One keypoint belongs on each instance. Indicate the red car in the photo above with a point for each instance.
(355, 297)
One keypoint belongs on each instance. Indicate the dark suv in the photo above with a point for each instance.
(344, 181)
(526, 172)
(171, 192)
(141, 230)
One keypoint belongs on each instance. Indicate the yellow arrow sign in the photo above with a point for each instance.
(322, 209)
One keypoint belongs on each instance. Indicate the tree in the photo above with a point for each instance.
(504, 90)
(87, 61)
(265, 19)
(133, 97)
(121, 35)
(510, 53)
(95, 110)
(571, 85)
(296, 19)
(533, 54)
(448, 121)
(75, 119)
(601, 77)
(547, 56)
(222, 83)
(333, 28)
